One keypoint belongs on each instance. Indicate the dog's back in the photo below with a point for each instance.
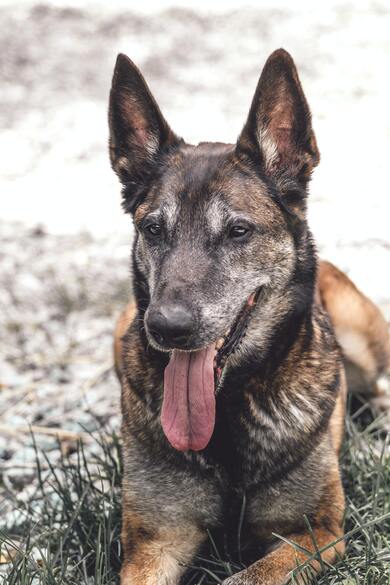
(360, 329)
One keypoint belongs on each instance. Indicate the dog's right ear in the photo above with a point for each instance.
(138, 130)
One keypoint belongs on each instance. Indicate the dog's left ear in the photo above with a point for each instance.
(278, 134)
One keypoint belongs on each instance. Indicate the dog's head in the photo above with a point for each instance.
(218, 227)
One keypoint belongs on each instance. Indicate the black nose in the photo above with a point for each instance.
(171, 325)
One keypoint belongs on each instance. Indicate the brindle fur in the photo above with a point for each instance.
(280, 411)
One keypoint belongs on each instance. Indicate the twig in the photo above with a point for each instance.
(27, 465)
(61, 434)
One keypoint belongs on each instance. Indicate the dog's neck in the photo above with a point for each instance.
(266, 417)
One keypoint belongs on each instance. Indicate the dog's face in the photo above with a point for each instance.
(216, 225)
(209, 235)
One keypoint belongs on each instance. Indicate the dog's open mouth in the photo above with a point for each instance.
(191, 380)
(228, 344)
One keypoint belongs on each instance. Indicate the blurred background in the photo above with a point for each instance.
(202, 61)
(64, 242)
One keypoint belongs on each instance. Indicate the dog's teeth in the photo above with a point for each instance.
(220, 343)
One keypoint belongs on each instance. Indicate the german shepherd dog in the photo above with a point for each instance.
(233, 356)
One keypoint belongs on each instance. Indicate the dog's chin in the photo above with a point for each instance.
(191, 346)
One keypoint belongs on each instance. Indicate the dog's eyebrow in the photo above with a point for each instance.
(216, 215)
(170, 211)
(140, 212)
(167, 211)
(240, 216)
(219, 213)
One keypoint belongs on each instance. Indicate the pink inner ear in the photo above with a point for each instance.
(282, 114)
(141, 135)
(283, 139)
(281, 121)
(135, 120)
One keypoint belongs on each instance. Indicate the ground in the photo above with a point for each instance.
(64, 242)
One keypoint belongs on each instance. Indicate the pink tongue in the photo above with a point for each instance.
(188, 410)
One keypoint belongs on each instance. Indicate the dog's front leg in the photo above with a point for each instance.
(156, 557)
(277, 567)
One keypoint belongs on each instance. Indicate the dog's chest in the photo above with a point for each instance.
(246, 444)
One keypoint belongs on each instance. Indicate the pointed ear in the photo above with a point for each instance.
(278, 133)
(138, 130)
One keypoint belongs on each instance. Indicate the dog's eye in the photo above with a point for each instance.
(238, 231)
(154, 229)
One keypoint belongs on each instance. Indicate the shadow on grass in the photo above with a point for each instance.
(72, 522)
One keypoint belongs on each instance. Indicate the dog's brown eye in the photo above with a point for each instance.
(238, 231)
(154, 229)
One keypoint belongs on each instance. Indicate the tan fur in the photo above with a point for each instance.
(160, 560)
(278, 566)
(360, 328)
(337, 419)
(123, 323)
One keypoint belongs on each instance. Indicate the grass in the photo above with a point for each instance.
(71, 531)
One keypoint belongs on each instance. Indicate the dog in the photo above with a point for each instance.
(233, 355)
